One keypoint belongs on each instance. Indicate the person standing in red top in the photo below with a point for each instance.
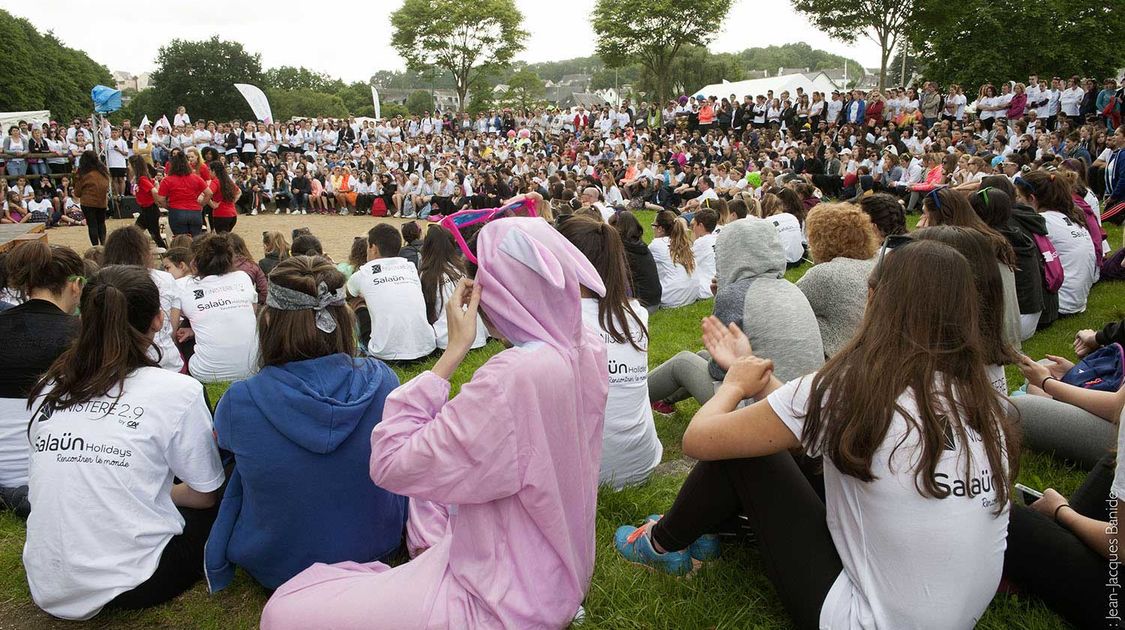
(143, 185)
(199, 167)
(224, 194)
(183, 193)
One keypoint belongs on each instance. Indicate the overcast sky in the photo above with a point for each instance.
(350, 39)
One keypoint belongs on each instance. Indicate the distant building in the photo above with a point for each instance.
(126, 81)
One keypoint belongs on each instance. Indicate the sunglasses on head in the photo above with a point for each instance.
(467, 218)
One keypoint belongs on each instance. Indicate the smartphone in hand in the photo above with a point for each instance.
(1028, 495)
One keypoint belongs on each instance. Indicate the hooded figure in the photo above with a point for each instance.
(1038, 306)
(295, 430)
(753, 293)
(504, 475)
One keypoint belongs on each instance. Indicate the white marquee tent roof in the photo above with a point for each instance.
(754, 87)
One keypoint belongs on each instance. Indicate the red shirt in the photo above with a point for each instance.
(204, 172)
(225, 209)
(183, 191)
(144, 191)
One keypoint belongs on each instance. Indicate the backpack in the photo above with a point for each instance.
(1101, 370)
(378, 207)
(1052, 266)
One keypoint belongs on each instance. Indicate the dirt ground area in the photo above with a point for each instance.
(336, 233)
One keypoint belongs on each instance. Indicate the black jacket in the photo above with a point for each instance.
(1113, 332)
(412, 252)
(643, 276)
(1030, 288)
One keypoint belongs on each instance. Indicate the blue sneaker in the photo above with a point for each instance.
(705, 548)
(635, 543)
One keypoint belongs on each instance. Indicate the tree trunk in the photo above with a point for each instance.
(884, 54)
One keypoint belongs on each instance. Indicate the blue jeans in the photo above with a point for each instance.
(37, 168)
(185, 222)
(17, 166)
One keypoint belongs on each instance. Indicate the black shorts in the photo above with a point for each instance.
(118, 172)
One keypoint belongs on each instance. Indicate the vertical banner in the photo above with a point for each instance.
(144, 121)
(375, 100)
(257, 100)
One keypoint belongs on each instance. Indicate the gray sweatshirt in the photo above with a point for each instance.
(837, 292)
(774, 314)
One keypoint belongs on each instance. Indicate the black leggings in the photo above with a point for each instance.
(223, 224)
(95, 224)
(181, 564)
(1047, 560)
(787, 514)
(149, 219)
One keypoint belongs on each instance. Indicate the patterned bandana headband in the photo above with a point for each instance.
(286, 299)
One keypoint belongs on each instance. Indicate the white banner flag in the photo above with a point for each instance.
(375, 100)
(144, 121)
(257, 100)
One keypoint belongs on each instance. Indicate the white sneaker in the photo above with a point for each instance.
(304, 212)
(278, 211)
(254, 212)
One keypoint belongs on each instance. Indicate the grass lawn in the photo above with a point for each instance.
(730, 593)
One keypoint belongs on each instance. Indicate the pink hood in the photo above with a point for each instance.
(530, 278)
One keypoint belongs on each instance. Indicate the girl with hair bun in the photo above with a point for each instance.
(124, 471)
(34, 332)
(302, 424)
(219, 302)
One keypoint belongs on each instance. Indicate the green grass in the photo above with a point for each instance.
(731, 593)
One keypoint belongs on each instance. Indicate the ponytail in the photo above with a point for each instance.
(601, 244)
(37, 265)
(118, 306)
(1052, 192)
(679, 243)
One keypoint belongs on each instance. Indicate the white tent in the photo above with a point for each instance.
(38, 118)
(754, 87)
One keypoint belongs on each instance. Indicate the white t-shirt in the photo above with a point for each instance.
(393, 293)
(630, 447)
(704, 250)
(100, 488)
(997, 377)
(221, 311)
(170, 358)
(441, 327)
(114, 157)
(910, 561)
(1079, 262)
(678, 286)
(789, 230)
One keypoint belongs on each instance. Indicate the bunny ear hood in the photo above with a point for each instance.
(531, 279)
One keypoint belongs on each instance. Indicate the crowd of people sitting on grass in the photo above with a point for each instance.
(828, 444)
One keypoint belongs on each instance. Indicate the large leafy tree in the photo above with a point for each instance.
(653, 32)
(201, 76)
(290, 78)
(419, 101)
(38, 72)
(305, 102)
(469, 39)
(525, 89)
(972, 42)
(883, 21)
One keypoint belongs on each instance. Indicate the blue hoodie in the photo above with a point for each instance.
(301, 492)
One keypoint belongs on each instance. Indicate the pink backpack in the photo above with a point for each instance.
(1052, 266)
(1092, 226)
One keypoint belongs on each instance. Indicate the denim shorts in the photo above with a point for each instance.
(185, 222)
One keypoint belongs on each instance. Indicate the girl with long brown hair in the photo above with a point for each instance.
(308, 372)
(143, 185)
(92, 185)
(630, 447)
(113, 432)
(918, 453)
(675, 262)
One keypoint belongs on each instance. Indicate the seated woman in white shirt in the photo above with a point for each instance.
(220, 304)
(890, 477)
(111, 432)
(630, 447)
(441, 266)
(773, 209)
(1050, 196)
(671, 249)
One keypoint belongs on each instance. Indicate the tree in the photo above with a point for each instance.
(696, 67)
(39, 72)
(652, 33)
(976, 41)
(481, 99)
(469, 39)
(290, 78)
(393, 110)
(525, 89)
(884, 21)
(419, 101)
(305, 103)
(201, 77)
(357, 98)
